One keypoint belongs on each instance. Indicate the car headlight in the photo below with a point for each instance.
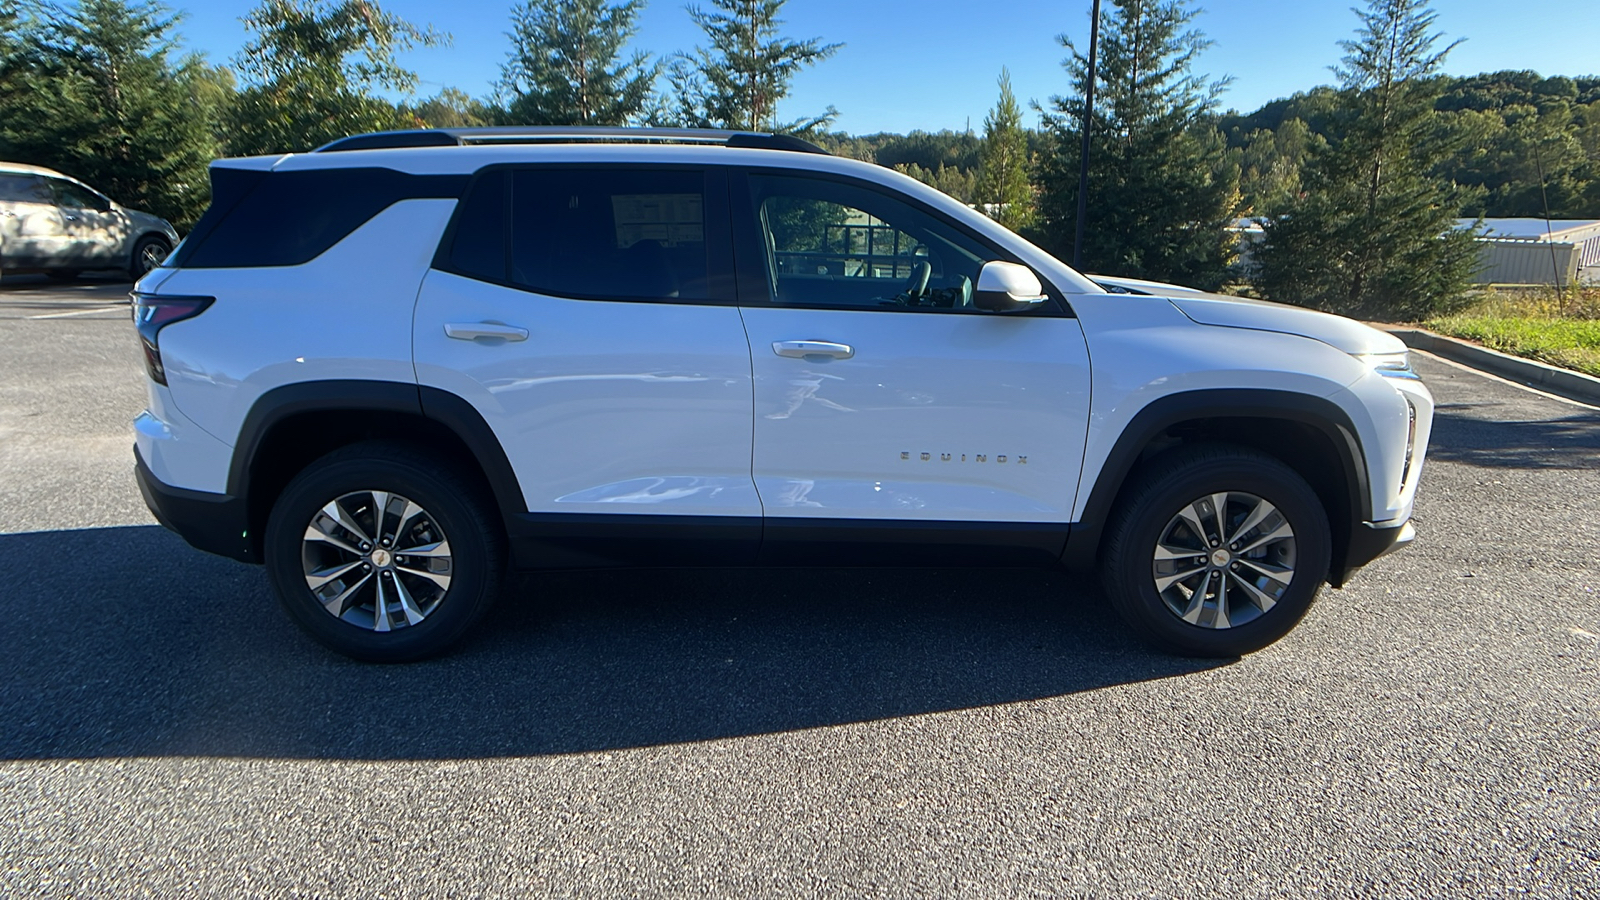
(1390, 365)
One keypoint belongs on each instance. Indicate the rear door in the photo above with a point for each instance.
(32, 232)
(587, 313)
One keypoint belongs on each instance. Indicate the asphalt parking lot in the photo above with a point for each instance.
(1429, 731)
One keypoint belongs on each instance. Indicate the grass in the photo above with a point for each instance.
(1537, 323)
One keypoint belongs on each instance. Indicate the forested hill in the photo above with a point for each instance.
(1506, 132)
(1503, 128)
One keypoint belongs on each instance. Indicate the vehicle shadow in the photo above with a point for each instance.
(1568, 442)
(124, 642)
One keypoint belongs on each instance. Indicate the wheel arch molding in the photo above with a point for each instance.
(290, 426)
(1310, 434)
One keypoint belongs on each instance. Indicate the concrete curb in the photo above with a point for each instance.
(1574, 385)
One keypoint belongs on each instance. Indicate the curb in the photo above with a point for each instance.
(1574, 385)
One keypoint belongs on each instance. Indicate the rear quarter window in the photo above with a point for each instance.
(291, 218)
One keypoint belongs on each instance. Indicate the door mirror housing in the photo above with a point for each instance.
(1005, 287)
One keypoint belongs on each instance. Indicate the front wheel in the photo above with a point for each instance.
(1217, 551)
(383, 552)
(148, 254)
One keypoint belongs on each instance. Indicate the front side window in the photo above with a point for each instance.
(610, 234)
(24, 189)
(72, 196)
(840, 245)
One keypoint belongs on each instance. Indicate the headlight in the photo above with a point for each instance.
(1390, 365)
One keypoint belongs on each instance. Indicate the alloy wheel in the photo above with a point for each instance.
(376, 560)
(1224, 560)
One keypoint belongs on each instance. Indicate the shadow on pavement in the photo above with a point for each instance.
(125, 642)
(1568, 442)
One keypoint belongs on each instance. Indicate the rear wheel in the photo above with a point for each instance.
(1217, 551)
(384, 553)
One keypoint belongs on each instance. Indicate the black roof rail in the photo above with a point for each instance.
(449, 137)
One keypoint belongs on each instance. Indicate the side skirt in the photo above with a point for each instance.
(587, 540)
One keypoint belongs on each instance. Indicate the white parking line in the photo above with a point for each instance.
(1506, 381)
(77, 312)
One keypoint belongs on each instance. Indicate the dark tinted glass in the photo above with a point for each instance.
(24, 189)
(479, 248)
(289, 218)
(72, 196)
(619, 233)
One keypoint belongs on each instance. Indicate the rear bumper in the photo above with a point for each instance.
(1370, 541)
(215, 523)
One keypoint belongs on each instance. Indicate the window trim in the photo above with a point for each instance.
(749, 257)
(721, 275)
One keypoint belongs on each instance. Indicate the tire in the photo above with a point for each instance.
(148, 253)
(1244, 603)
(443, 588)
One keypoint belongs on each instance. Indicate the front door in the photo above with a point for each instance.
(882, 394)
(97, 231)
(587, 314)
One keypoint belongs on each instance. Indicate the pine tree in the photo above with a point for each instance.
(566, 65)
(1375, 234)
(1161, 191)
(94, 92)
(739, 81)
(1004, 189)
(312, 70)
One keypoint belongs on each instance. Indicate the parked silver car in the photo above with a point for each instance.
(60, 226)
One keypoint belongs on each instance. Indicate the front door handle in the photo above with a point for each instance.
(472, 331)
(803, 349)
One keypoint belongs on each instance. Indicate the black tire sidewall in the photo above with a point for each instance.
(138, 254)
(476, 562)
(1130, 580)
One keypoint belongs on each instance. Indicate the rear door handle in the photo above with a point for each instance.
(472, 331)
(803, 349)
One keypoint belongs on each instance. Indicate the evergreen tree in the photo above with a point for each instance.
(1004, 189)
(311, 71)
(566, 65)
(1161, 191)
(452, 108)
(1375, 234)
(93, 91)
(739, 81)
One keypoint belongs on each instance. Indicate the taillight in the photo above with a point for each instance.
(153, 312)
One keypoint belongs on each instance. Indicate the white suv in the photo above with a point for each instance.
(392, 368)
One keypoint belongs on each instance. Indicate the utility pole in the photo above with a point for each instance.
(1088, 120)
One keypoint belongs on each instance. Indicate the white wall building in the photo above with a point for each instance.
(1539, 251)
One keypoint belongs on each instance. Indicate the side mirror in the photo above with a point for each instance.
(1005, 287)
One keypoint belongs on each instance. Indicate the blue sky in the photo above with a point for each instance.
(932, 64)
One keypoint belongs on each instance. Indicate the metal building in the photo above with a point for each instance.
(1539, 251)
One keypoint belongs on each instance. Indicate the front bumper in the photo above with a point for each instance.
(215, 523)
(1369, 541)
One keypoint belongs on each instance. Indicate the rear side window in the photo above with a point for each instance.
(289, 218)
(621, 233)
(479, 247)
(597, 234)
(24, 189)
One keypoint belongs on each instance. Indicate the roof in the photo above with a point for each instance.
(1530, 229)
(12, 168)
(563, 134)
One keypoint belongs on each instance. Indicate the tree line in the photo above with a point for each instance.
(1357, 186)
